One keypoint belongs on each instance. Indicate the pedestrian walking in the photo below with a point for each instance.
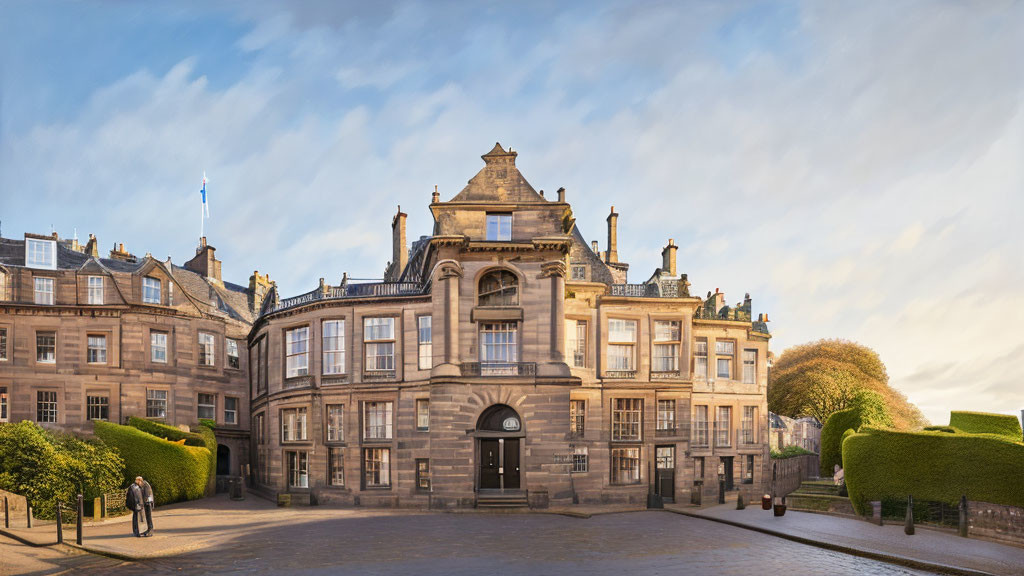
(133, 501)
(147, 502)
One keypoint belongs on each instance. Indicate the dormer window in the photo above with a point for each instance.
(499, 227)
(150, 290)
(499, 288)
(40, 253)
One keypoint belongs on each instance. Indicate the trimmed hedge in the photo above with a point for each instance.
(832, 437)
(790, 452)
(176, 472)
(982, 423)
(205, 432)
(167, 432)
(932, 465)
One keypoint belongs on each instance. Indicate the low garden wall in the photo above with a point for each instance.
(790, 472)
(996, 522)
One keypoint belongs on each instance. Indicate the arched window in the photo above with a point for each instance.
(499, 288)
(499, 418)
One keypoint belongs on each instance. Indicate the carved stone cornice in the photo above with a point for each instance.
(561, 243)
(449, 240)
(551, 268)
(450, 269)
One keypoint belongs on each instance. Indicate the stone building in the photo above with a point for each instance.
(803, 432)
(504, 361)
(84, 338)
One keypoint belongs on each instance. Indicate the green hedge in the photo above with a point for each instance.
(982, 423)
(176, 472)
(166, 431)
(932, 465)
(832, 437)
(790, 452)
(205, 431)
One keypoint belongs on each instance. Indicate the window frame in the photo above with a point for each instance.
(700, 359)
(95, 294)
(673, 343)
(336, 473)
(333, 353)
(297, 462)
(499, 219)
(289, 434)
(425, 347)
(580, 460)
(422, 414)
(153, 335)
(95, 354)
(382, 469)
(200, 405)
(498, 337)
(625, 345)
(206, 352)
(291, 342)
(577, 417)
(666, 417)
(49, 262)
(5, 407)
(51, 409)
(618, 456)
(577, 331)
(627, 415)
(153, 401)
(376, 344)
(422, 474)
(92, 402)
(498, 294)
(148, 289)
(43, 288)
(46, 359)
(701, 415)
(386, 426)
(729, 359)
(230, 343)
(3, 343)
(750, 364)
(334, 420)
(233, 421)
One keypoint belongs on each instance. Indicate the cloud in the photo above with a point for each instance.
(855, 168)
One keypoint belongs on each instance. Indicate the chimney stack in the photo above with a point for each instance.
(668, 258)
(399, 250)
(593, 246)
(561, 195)
(205, 261)
(91, 248)
(719, 299)
(613, 237)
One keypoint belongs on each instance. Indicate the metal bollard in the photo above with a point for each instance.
(7, 514)
(60, 525)
(103, 503)
(963, 515)
(908, 526)
(78, 525)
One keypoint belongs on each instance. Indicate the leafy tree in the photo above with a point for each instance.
(820, 378)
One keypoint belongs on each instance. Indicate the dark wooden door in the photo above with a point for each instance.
(665, 472)
(729, 483)
(511, 466)
(490, 461)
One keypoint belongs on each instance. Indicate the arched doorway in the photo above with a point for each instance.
(499, 431)
(223, 460)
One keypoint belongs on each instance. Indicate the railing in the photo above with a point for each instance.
(499, 368)
(661, 432)
(620, 374)
(664, 375)
(369, 289)
(298, 381)
(379, 375)
(636, 290)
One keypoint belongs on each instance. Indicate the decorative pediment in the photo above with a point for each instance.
(499, 181)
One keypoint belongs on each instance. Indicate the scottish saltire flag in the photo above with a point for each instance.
(206, 205)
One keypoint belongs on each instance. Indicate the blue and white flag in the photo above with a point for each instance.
(206, 205)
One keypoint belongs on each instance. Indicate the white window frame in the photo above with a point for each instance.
(156, 400)
(378, 418)
(576, 335)
(50, 413)
(666, 419)
(154, 338)
(207, 349)
(577, 417)
(94, 285)
(749, 366)
(580, 459)
(211, 408)
(425, 339)
(379, 343)
(622, 344)
(335, 423)
(725, 355)
(296, 353)
(96, 349)
(43, 290)
(499, 348)
(499, 227)
(298, 468)
(336, 466)
(380, 472)
(50, 358)
(151, 290)
(665, 353)
(620, 457)
(231, 349)
(332, 334)
(700, 359)
(3, 344)
(701, 413)
(627, 419)
(41, 253)
(293, 424)
(422, 414)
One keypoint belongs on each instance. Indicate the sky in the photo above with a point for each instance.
(855, 166)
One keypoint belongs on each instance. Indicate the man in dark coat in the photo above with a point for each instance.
(147, 503)
(133, 501)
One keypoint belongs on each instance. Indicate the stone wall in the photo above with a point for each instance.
(995, 522)
(17, 507)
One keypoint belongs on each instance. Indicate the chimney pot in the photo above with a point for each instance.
(613, 237)
(561, 194)
(668, 258)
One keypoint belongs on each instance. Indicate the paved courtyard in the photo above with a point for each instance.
(367, 542)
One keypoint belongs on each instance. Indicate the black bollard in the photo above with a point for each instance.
(963, 515)
(60, 525)
(78, 525)
(103, 504)
(721, 490)
(7, 512)
(908, 527)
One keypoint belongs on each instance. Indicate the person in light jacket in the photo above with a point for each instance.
(133, 501)
(147, 503)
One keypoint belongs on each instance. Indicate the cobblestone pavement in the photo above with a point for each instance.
(478, 544)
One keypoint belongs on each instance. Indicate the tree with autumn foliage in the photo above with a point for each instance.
(820, 378)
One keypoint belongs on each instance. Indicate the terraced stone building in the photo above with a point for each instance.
(504, 361)
(85, 337)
